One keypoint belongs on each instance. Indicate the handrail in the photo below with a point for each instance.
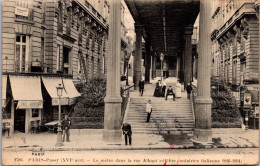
(193, 103)
(128, 88)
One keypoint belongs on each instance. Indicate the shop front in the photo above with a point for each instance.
(27, 102)
(51, 99)
(7, 121)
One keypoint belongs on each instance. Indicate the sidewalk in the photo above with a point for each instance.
(89, 139)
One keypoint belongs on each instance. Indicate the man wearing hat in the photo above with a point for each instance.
(65, 127)
(127, 131)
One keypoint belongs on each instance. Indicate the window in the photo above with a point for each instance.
(104, 64)
(22, 53)
(93, 43)
(93, 66)
(35, 113)
(99, 67)
(66, 60)
(234, 72)
(59, 23)
(79, 67)
(99, 45)
(87, 62)
(58, 58)
(43, 48)
(242, 71)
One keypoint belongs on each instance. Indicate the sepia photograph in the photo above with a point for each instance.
(130, 82)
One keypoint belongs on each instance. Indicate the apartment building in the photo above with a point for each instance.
(44, 44)
(235, 42)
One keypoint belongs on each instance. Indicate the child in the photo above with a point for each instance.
(148, 110)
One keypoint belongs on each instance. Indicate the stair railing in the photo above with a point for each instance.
(125, 94)
(193, 103)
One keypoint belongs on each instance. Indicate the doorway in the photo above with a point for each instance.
(19, 120)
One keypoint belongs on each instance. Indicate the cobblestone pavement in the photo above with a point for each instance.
(92, 139)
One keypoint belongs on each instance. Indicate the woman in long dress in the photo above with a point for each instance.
(158, 88)
(178, 90)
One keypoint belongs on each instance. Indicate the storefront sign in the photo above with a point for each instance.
(63, 101)
(72, 101)
(21, 11)
(29, 104)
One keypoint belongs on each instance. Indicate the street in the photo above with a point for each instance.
(217, 156)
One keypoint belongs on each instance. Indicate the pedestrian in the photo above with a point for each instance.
(66, 123)
(149, 110)
(178, 89)
(163, 88)
(127, 131)
(188, 89)
(170, 92)
(157, 92)
(141, 87)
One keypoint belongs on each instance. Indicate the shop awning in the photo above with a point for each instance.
(71, 90)
(27, 91)
(50, 84)
(4, 83)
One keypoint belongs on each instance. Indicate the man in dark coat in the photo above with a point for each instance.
(170, 92)
(127, 131)
(66, 123)
(141, 87)
(188, 89)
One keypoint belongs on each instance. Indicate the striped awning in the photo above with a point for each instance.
(71, 90)
(50, 84)
(27, 91)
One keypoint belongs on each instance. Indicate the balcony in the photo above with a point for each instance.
(22, 67)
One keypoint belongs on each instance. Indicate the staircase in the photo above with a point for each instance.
(168, 117)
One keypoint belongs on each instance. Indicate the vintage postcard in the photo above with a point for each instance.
(130, 82)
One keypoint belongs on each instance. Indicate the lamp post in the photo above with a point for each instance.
(59, 136)
(161, 58)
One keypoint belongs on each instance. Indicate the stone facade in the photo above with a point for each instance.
(58, 39)
(67, 37)
(235, 41)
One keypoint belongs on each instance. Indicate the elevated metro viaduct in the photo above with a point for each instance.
(167, 27)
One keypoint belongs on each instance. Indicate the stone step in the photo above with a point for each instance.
(152, 120)
(154, 116)
(172, 113)
(162, 132)
(169, 116)
(161, 109)
(163, 126)
(164, 102)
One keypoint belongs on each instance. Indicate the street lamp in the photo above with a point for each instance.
(161, 58)
(59, 136)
